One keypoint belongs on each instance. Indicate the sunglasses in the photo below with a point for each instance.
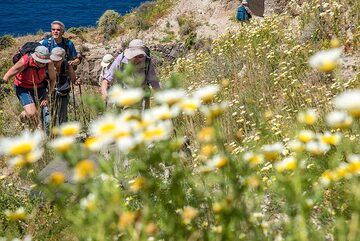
(56, 29)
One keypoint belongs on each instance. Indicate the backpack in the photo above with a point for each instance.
(63, 82)
(65, 42)
(27, 48)
(242, 14)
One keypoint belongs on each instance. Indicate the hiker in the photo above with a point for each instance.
(244, 13)
(31, 85)
(64, 74)
(57, 40)
(105, 64)
(138, 55)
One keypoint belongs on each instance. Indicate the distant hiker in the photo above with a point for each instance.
(57, 40)
(31, 85)
(105, 64)
(64, 74)
(138, 55)
(244, 13)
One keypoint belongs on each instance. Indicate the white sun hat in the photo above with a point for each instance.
(106, 60)
(41, 55)
(136, 48)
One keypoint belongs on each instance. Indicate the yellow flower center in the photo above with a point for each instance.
(150, 134)
(129, 101)
(309, 119)
(354, 112)
(57, 178)
(331, 139)
(21, 148)
(84, 169)
(107, 128)
(271, 156)
(221, 162)
(70, 131)
(328, 66)
(189, 106)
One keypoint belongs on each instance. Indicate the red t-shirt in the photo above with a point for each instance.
(32, 76)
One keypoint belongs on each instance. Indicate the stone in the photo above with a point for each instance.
(257, 7)
(56, 166)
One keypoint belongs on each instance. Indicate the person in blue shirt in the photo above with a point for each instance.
(57, 40)
(244, 13)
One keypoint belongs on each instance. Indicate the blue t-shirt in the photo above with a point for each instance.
(53, 44)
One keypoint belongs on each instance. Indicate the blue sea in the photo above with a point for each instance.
(21, 17)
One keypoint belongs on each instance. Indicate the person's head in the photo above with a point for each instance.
(57, 55)
(136, 51)
(107, 60)
(41, 56)
(57, 29)
(244, 2)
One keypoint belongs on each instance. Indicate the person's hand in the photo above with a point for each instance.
(43, 102)
(74, 62)
(77, 81)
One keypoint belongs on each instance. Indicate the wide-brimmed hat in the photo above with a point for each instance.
(41, 55)
(244, 2)
(57, 54)
(136, 48)
(106, 60)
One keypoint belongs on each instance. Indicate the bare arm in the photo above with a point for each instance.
(72, 74)
(17, 68)
(103, 89)
(52, 76)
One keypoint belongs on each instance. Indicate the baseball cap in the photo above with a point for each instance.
(41, 55)
(57, 54)
(106, 60)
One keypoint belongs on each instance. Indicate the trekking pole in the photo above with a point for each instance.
(82, 105)
(73, 92)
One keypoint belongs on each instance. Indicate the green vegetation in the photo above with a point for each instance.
(267, 162)
(108, 23)
(147, 14)
(6, 41)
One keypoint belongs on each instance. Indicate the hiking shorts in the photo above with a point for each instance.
(28, 96)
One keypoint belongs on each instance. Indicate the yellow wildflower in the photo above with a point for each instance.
(57, 178)
(84, 169)
(137, 184)
(126, 220)
(189, 214)
(18, 214)
(207, 134)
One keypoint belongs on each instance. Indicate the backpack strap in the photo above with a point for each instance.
(65, 42)
(147, 69)
(49, 40)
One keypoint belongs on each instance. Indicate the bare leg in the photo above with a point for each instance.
(31, 114)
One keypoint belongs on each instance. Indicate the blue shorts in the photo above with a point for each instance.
(28, 96)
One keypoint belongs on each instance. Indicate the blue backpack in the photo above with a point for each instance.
(242, 14)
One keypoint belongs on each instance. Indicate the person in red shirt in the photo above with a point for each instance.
(31, 84)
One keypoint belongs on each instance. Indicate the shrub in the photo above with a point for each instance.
(108, 23)
(6, 41)
(187, 25)
(147, 14)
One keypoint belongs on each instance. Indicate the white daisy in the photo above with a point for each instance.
(339, 119)
(170, 97)
(24, 144)
(349, 101)
(206, 94)
(326, 60)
